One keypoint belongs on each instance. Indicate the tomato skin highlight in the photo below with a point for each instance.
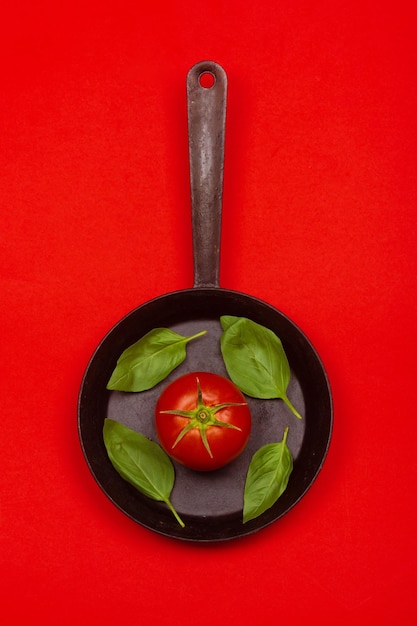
(224, 443)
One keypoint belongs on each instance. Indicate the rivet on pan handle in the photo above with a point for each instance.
(206, 100)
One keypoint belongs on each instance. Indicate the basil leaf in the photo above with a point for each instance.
(228, 320)
(141, 462)
(255, 359)
(267, 478)
(148, 361)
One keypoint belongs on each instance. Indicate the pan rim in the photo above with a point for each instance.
(203, 292)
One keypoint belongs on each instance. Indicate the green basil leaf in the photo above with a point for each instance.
(255, 359)
(148, 361)
(267, 478)
(141, 462)
(228, 320)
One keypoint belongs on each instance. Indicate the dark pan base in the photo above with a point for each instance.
(210, 503)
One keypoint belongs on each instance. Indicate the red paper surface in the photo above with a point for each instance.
(319, 220)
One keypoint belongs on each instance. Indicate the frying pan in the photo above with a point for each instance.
(210, 503)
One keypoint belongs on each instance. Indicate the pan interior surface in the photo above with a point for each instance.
(210, 503)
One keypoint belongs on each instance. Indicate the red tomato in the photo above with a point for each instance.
(202, 420)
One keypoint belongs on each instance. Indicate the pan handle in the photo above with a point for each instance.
(206, 101)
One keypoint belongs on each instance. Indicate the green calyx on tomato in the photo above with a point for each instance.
(202, 420)
(203, 417)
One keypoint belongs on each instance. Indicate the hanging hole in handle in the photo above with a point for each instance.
(207, 79)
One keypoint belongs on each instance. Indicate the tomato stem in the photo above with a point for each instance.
(184, 431)
(202, 417)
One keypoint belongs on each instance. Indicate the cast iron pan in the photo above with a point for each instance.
(210, 503)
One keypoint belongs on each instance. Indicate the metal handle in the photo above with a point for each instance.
(206, 98)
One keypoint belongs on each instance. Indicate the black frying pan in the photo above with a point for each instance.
(210, 503)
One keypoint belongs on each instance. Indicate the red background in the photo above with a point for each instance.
(319, 220)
